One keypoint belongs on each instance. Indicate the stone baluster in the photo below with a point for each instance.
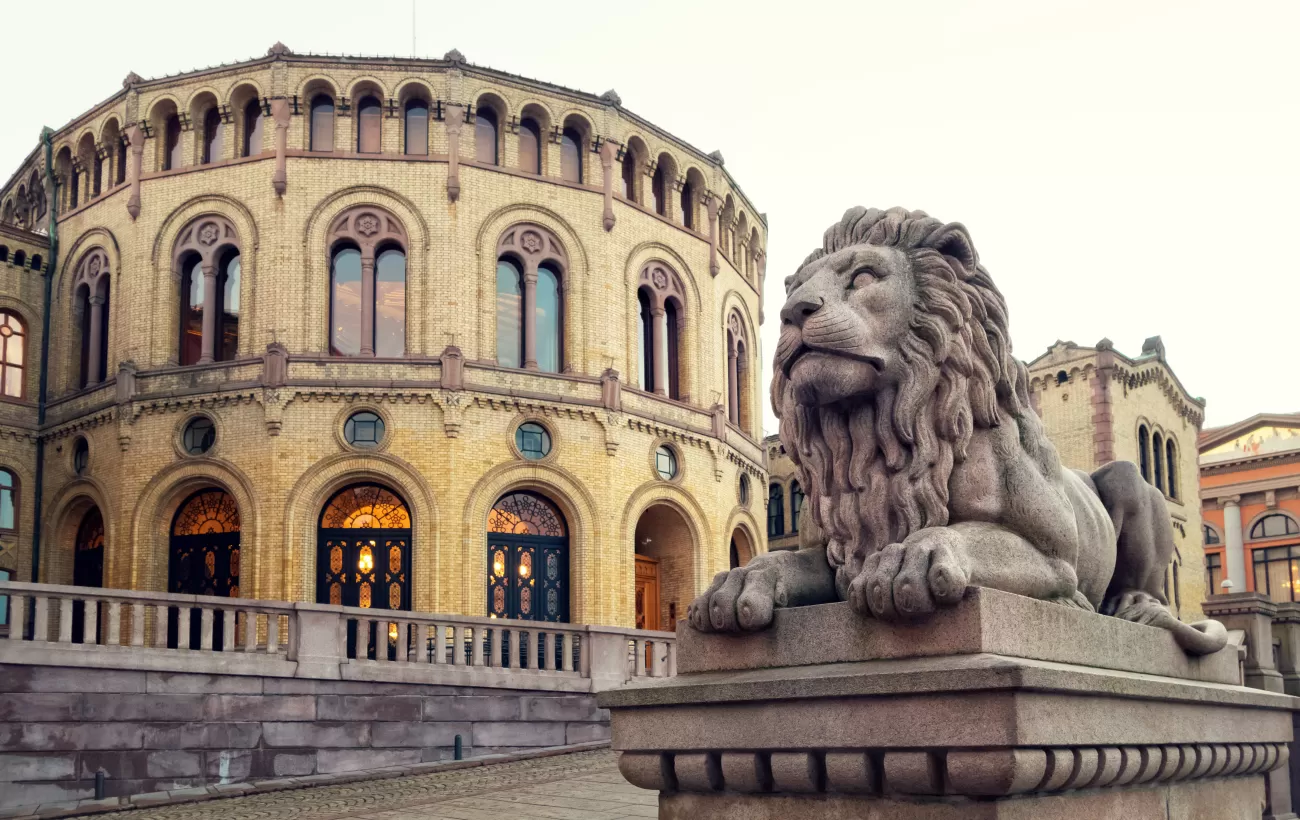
(137, 624)
(17, 617)
(41, 627)
(228, 630)
(183, 628)
(114, 637)
(250, 630)
(205, 629)
(65, 620)
(160, 627)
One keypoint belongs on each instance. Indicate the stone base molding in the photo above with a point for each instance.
(1002, 707)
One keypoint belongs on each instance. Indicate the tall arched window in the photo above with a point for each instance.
(214, 136)
(1144, 450)
(367, 284)
(510, 330)
(1157, 461)
(549, 316)
(485, 136)
(1171, 467)
(253, 120)
(97, 183)
(659, 187)
(172, 157)
(530, 146)
(532, 256)
(119, 166)
(228, 307)
(796, 505)
(369, 125)
(688, 205)
(775, 511)
(13, 354)
(738, 392)
(8, 501)
(661, 319)
(209, 268)
(671, 322)
(571, 155)
(322, 123)
(629, 174)
(646, 328)
(191, 340)
(417, 127)
(91, 296)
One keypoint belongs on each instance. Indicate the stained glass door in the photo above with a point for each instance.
(204, 560)
(528, 560)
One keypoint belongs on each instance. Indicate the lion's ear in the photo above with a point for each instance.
(953, 240)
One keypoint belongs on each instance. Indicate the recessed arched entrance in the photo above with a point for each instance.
(742, 549)
(528, 559)
(363, 556)
(203, 557)
(665, 567)
(87, 565)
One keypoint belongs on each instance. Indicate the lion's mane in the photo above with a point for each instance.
(902, 443)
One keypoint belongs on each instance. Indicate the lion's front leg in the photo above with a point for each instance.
(746, 598)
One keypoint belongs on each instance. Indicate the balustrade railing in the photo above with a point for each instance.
(71, 626)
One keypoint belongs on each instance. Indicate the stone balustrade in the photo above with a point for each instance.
(70, 626)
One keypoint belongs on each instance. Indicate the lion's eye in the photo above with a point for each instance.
(863, 277)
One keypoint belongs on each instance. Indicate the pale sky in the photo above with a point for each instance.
(1126, 168)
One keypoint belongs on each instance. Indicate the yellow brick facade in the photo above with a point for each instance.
(449, 448)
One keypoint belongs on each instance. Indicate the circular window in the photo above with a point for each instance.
(533, 440)
(744, 490)
(364, 429)
(80, 456)
(666, 462)
(199, 436)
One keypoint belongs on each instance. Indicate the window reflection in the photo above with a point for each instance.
(417, 127)
(571, 156)
(530, 142)
(548, 320)
(228, 310)
(214, 136)
(345, 302)
(509, 315)
(252, 128)
(191, 312)
(390, 303)
(322, 123)
(173, 147)
(646, 381)
(485, 136)
(368, 126)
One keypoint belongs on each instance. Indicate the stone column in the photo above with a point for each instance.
(209, 314)
(607, 152)
(530, 318)
(733, 386)
(93, 374)
(1235, 552)
(455, 119)
(713, 233)
(136, 136)
(659, 343)
(368, 304)
(280, 114)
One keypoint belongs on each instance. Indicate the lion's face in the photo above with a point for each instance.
(844, 318)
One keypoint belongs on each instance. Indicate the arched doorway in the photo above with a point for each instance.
(665, 564)
(741, 548)
(528, 559)
(363, 556)
(204, 558)
(87, 565)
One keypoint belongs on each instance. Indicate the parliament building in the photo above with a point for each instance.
(397, 333)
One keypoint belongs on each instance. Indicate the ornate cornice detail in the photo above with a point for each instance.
(1158, 374)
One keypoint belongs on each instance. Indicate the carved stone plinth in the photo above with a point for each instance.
(1003, 707)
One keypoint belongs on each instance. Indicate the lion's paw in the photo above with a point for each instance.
(744, 598)
(910, 580)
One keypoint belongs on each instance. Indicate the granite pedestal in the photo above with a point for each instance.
(1002, 707)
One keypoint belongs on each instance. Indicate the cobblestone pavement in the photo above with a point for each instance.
(580, 786)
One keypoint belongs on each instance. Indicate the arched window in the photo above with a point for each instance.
(510, 331)
(13, 354)
(363, 552)
(485, 135)
(91, 305)
(214, 136)
(119, 165)
(367, 284)
(737, 371)
(4, 253)
(20, 258)
(1171, 467)
(36, 261)
(345, 301)
(688, 205)
(97, 182)
(646, 327)
(775, 511)
(417, 127)
(674, 359)
(796, 505)
(528, 561)
(228, 307)
(1158, 461)
(1144, 450)
(172, 157)
(1274, 526)
(550, 312)
(369, 125)
(659, 189)
(191, 340)
(1209, 535)
(322, 123)
(1062, 377)
(629, 175)
(253, 120)
(74, 186)
(8, 501)
(530, 146)
(571, 155)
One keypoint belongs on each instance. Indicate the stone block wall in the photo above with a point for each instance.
(152, 731)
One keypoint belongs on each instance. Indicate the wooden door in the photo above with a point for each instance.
(647, 593)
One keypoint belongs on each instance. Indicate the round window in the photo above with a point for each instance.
(364, 429)
(533, 440)
(666, 462)
(744, 490)
(80, 456)
(200, 434)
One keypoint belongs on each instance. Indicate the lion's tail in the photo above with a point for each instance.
(1200, 638)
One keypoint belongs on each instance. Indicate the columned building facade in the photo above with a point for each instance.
(396, 333)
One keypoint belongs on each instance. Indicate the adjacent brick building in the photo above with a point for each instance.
(389, 332)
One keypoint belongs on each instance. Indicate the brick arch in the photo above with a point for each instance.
(743, 520)
(564, 490)
(654, 493)
(665, 282)
(736, 317)
(30, 317)
(152, 518)
(59, 529)
(318, 485)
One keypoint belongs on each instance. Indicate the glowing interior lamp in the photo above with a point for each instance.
(392, 632)
(366, 563)
(523, 570)
(498, 567)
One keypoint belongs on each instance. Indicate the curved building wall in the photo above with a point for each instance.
(124, 380)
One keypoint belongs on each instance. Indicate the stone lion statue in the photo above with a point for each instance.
(925, 467)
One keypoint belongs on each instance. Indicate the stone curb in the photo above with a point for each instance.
(198, 794)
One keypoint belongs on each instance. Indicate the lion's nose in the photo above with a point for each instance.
(797, 311)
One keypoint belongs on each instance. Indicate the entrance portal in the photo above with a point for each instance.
(87, 569)
(665, 566)
(528, 560)
(204, 559)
